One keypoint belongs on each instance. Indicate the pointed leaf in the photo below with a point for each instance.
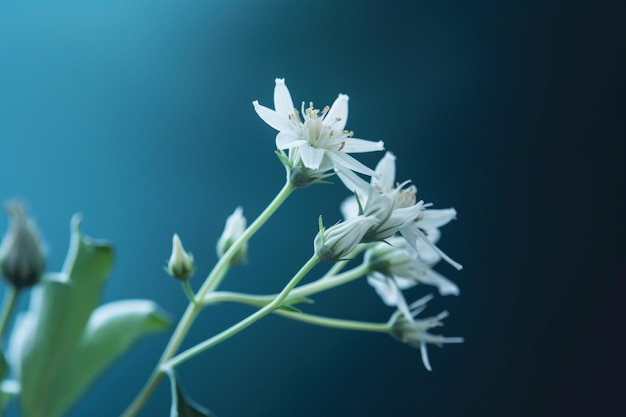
(59, 309)
(112, 330)
(183, 406)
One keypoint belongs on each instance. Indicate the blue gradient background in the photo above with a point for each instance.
(138, 114)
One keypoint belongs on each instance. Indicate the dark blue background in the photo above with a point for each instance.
(138, 114)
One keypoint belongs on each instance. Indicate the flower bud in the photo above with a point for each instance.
(21, 252)
(235, 226)
(180, 265)
(338, 241)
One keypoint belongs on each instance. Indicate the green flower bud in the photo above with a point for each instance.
(235, 226)
(336, 242)
(180, 265)
(22, 256)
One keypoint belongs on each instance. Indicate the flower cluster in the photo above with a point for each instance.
(384, 212)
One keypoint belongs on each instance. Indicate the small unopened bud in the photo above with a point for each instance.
(235, 226)
(180, 265)
(336, 242)
(21, 253)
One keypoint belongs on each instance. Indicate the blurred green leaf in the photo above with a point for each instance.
(183, 406)
(112, 330)
(4, 366)
(58, 347)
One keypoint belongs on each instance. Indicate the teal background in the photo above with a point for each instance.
(138, 114)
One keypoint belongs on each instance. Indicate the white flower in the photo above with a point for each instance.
(391, 217)
(336, 242)
(415, 332)
(320, 140)
(394, 261)
(423, 227)
(235, 226)
(180, 265)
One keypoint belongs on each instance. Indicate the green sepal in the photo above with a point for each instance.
(299, 300)
(284, 159)
(289, 308)
(182, 405)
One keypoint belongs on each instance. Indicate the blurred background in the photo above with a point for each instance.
(138, 114)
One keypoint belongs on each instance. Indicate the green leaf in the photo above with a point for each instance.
(8, 388)
(57, 347)
(182, 405)
(112, 330)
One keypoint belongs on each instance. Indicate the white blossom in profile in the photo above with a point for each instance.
(315, 139)
(423, 227)
(339, 240)
(415, 332)
(394, 268)
(235, 226)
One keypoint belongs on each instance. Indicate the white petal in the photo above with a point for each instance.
(311, 157)
(349, 208)
(353, 145)
(282, 98)
(338, 113)
(434, 218)
(389, 292)
(445, 257)
(287, 139)
(272, 118)
(445, 286)
(424, 353)
(343, 159)
(386, 170)
(384, 288)
(405, 283)
(452, 340)
(353, 182)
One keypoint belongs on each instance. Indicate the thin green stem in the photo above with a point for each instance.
(328, 282)
(256, 301)
(236, 328)
(336, 323)
(211, 283)
(189, 292)
(10, 298)
(325, 283)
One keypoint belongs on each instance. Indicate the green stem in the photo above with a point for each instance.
(189, 292)
(231, 331)
(256, 301)
(10, 299)
(328, 282)
(325, 283)
(336, 323)
(211, 282)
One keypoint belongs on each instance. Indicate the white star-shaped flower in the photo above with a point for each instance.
(320, 137)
